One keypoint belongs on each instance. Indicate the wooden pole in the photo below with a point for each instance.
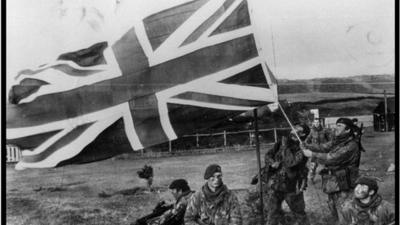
(386, 114)
(259, 165)
(197, 140)
(225, 138)
(275, 135)
(250, 139)
(170, 146)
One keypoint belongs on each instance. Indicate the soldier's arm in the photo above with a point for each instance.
(342, 154)
(192, 210)
(322, 148)
(269, 156)
(174, 216)
(292, 159)
(235, 215)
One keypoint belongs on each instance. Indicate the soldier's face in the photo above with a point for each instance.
(316, 123)
(361, 191)
(175, 193)
(340, 129)
(215, 181)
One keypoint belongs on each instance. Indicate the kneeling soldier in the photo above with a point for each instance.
(367, 207)
(214, 204)
(164, 214)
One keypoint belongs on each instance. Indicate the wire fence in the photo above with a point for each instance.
(13, 154)
(197, 143)
(225, 139)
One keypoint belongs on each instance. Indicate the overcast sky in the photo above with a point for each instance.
(311, 38)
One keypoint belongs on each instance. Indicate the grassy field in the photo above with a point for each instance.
(70, 195)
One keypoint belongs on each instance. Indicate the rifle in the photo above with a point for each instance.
(255, 179)
(160, 209)
(359, 138)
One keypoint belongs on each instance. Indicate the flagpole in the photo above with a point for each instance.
(259, 164)
(290, 124)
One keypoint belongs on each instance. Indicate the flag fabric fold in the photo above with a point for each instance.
(176, 72)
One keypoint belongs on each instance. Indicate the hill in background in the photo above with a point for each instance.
(362, 84)
(335, 96)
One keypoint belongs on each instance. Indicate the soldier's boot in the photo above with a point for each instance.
(275, 217)
(302, 220)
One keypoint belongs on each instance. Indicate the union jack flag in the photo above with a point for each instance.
(175, 72)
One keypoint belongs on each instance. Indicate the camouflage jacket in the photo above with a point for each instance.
(176, 214)
(292, 169)
(200, 211)
(341, 158)
(381, 213)
(318, 136)
(337, 154)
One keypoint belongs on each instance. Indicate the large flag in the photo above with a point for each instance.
(176, 72)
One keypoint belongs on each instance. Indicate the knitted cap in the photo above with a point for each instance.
(179, 184)
(211, 169)
(348, 122)
(371, 183)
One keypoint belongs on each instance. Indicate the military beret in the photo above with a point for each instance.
(211, 169)
(179, 184)
(370, 182)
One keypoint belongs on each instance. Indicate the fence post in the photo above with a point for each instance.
(12, 154)
(19, 154)
(197, 140)
(250, 140)
(8, 154)
(275, 135)
(170, 146)
(225, 138)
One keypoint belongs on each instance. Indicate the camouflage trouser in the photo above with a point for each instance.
(254, 204)
(335, 202)
(294, 201)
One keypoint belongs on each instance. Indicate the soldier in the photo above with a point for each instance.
(214, 204)
(165, 214)
(358, 132)
(286, 176)
(367, 207)
(341, 158)
(318, 135)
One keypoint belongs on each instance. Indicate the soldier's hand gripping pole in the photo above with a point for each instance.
(290, 124)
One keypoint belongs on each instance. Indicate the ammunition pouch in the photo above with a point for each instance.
(329, 183)
(336, 180)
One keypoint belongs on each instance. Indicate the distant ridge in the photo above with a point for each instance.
(365, 84)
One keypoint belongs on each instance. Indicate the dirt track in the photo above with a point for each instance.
(70, 195)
